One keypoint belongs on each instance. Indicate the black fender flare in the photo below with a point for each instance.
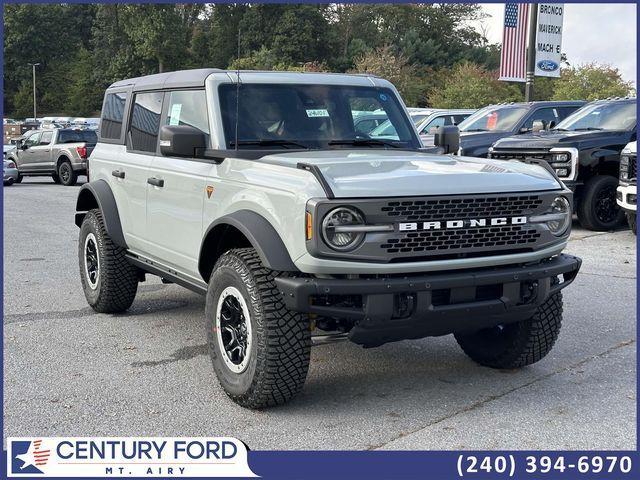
(98, 194)
(262, 236)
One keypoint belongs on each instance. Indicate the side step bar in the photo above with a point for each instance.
(167, 273)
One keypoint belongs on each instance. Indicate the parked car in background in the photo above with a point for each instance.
(626, 195)
(439, 118)
(480, 130)
(584, 150)
(424, 119)
(9, 172)
(6, 149)
(366, 122)
(59, 153)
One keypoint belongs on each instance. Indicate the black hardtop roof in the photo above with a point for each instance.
(195, 78)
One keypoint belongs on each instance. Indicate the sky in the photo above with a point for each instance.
(593, 32)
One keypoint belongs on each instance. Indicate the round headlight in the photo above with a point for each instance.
(561, 209)
(336, 231)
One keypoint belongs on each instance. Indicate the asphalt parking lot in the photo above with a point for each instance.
(71, 372)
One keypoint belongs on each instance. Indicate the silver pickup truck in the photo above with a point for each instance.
(59, 153)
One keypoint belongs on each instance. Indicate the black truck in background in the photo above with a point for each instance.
(584, 150)
(489, 124)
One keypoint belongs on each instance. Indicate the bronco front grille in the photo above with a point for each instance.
(464, 238)
(632, 167)
(444, 227)
(462, 208)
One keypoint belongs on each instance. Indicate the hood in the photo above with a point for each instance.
(393, 173)
(471, 141)
(555, 138)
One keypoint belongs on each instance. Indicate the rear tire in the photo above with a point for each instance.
(9, 182)
(516, 345)
(66, 174)
(109, 281)
(597, 209)
(260, 361)
(19, 179)
(632, 220)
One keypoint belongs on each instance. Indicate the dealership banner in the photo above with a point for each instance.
(131, 457)
(549, 39)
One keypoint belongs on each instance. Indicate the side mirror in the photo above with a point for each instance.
(181, 141)
(448, 138)
(23, 146)
(538, 126)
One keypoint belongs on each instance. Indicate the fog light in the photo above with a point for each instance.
(562, 172)
(631, 199)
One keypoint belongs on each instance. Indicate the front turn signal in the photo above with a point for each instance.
(309, 226)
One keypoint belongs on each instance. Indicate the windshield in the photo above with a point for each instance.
(494, 119)
(601, 116)
(309, 116)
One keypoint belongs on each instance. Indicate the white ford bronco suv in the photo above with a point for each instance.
(256, 190)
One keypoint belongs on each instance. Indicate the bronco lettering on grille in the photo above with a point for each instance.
(468, 223)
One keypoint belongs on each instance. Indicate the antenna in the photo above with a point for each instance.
(237, 88)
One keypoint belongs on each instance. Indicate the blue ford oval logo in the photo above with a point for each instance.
(548, 65)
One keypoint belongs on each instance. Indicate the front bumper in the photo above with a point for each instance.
(418, 306)
(626, 197)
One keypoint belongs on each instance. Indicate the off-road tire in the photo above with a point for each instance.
(281, 340)
(632, 220)
(587, 204)
(117, 283)
(516, 345)
(8, 183)
(67, 176)
(56, 178)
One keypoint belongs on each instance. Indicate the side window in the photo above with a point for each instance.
(188, 107)
(566, 111)
(46, 138)
(457, 119)
(548, 115)
(145, 121)
(436, 122)
(33, 140)
(112, 115)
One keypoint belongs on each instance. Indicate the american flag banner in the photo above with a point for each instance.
(513, 61)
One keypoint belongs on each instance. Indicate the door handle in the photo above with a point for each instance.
(118, 173)
(156, 182)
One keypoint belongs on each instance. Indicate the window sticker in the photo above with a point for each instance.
(318, 112)
(174, 119)
(383, 97)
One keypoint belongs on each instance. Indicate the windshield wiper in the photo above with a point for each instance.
(265, 142)
(476, 130)
(364, 142)
(587, 129)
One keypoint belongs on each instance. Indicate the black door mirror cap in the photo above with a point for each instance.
(181, 141)
(448, 138)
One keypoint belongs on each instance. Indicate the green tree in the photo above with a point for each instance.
(393, 67)
(471, 86)
(591, 82)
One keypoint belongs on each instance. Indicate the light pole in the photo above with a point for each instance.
(34, 65)
(531, 53)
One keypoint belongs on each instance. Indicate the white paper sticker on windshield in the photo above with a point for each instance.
(174, 118)
(319, 112)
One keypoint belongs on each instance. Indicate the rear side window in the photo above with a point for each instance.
(77, 136)
(145, 121)
(188, 107)
(112, 115)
